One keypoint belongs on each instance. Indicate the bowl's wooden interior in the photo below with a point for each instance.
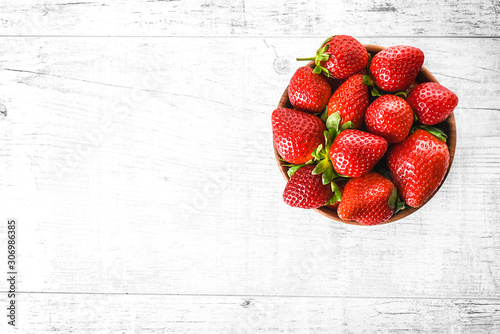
(448, 126)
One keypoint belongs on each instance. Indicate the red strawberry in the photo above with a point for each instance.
(369, 199)
(296, 134)
(389, 116)
(340, 57)
(418, 166)
(305, 190)
(354, 152)
(350, 100)
(308, 91)
(395, 68)
(432, 102)
(341, 185)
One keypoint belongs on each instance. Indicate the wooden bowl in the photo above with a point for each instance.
(448, 126)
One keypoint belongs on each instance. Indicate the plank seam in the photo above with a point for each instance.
(254, 295)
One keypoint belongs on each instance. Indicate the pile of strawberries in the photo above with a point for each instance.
(360, 138)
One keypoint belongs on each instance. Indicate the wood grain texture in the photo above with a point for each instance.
(147, 314)
(99, 173)
(250, 18)
(147, 194)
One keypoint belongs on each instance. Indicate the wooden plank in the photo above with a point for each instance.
(251, 18)
(69, 313)
(123, 151)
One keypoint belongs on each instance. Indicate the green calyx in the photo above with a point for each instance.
(402, 95)
(321, 56)
(395, 202)
(438, 133)
(400, 205)
(368, 81)
(321, 154)
(333, 122)
(375, 92)
(393, 198)
(324, 115)
(293, 168)
(337, 194)
(324, 165)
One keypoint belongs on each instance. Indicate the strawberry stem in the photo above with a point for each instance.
(303, 59)
(401, 94)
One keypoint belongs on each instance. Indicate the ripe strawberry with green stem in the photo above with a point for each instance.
(389, 116)
(369, 199)
(395, 68)
(321, 154)
(296, 134)
(354, 153)
(350, 100)
(306, 190)
(419, 164)
(308, 91)
(432, 102)
(340, 57)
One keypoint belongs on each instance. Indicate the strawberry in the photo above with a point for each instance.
(340, 57)
(389, 116)
(296, 134)
(369, 199)
(354, 152)
(418, 165)
(308, 91)
(432, 102)
(305, 190)
(396, 67)
(350, 100)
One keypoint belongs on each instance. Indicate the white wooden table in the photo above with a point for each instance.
(136, 155)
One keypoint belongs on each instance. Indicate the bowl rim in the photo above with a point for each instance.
(449, 125)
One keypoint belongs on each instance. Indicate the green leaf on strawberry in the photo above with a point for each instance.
(337, 194)
(438, 133)
(400, 205)
(393, 198)
(329, 174)
(321, 167)
(347, 125)
(435, 131)
(293, 169)
(324, 115)
(367, 80)
(375, 92)
(333, 122)
(340, 57)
